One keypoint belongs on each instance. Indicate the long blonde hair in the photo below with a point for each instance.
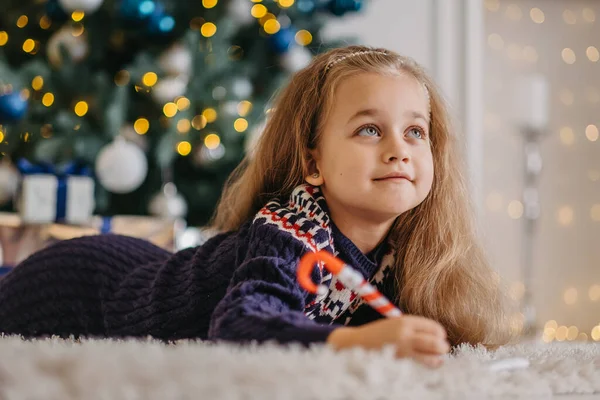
(441, 270)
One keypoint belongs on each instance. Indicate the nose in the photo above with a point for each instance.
(396, 149)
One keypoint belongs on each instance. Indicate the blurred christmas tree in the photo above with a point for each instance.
(160, 97)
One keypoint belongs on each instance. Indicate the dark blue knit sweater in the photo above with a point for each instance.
(238, 286)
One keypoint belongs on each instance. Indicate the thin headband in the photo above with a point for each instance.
(356, 53)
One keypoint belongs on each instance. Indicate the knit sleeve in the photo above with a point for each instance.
(264, 301)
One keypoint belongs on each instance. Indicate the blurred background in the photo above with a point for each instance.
(127, 116)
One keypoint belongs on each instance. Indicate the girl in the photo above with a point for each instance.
(357, 158)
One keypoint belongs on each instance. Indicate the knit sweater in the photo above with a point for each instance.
(238, 286)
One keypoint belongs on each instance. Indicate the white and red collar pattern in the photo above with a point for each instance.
(305, 217)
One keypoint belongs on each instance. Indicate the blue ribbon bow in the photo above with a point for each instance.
(61, 173)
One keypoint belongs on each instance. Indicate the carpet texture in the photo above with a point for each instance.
(104, 369)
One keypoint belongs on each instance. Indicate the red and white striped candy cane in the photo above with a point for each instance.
(348, 276)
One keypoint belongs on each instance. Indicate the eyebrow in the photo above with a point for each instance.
(371, 112)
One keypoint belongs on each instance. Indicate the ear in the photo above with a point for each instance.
(314, 176)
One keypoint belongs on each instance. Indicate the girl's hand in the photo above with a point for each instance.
(420, 338)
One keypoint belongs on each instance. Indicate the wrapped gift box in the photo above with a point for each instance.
(49, 194)
(19, 239)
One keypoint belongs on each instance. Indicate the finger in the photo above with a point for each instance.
(429, 344)
(429, 360)
(426, 325)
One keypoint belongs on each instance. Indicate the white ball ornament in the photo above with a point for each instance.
(177, 60)
(297, 58)
(121, 166)
(77, 46)
(167, 89)
(168, 203)
(87, 6)
(240, 11)
(242, 88)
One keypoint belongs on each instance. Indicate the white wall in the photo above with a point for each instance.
(400, 25)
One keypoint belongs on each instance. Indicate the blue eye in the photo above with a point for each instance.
(418, 131)
(370, 131)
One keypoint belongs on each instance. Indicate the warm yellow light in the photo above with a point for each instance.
(592, 54)
(48, 99)
(565, 215)
(561, 333)
(591, 132)
(303, 37)
(81, 108)
(77, 16)
(272, 26)
(1, 136)
(28, 45)
(594, 291)
(170, 109)
(567, 136)
(570, 296)
(572, 333)
(122, 77)
(184, 148)
(22, 21)
(596, 333)
(568, 56)
(37, 83)
(258, 11)
(286, 3)
(569, 17)
(551, 324)
(537, 15)
(77, 30)
(513, 12)
(199, 122)
(240, 125)
(45, 22)
(494, 201)
(210, 114)
(515, 209)
(25, 94)
(183, 103)
(3, 38)
(209, 3)
(595, 212)
(208, 29)
(244, 107)
(183, 125)
(212, 141)
(582, 337)
(149, 79)
(588, 15)
(141, 126)
(492, 5)
(266, 18)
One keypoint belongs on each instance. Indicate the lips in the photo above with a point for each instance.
(395, 176)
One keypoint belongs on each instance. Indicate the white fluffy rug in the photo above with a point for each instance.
(94, 369)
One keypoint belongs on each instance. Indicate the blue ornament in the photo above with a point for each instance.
(306, 6)
(341, 7)
(282, 40)
(137, 10)
(160, 22)
(55, 11)
(12, 107)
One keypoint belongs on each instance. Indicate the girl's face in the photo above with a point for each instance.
(378, 127)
